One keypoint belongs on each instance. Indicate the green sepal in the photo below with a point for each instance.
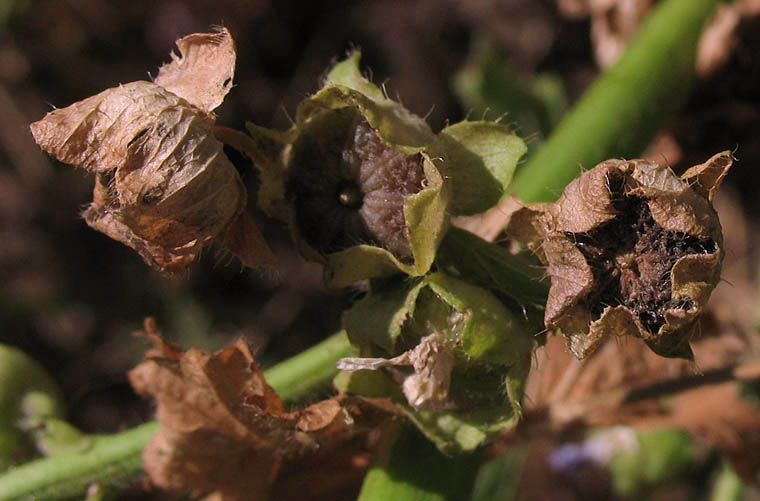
(370, 384)
(519, 277)
(378, 319)
(490, 333)
(480, 159)
(348, 74)
(345, 86)
(492, 408)
(269, 149)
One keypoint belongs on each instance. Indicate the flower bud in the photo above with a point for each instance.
(631, 248)
(449, 353)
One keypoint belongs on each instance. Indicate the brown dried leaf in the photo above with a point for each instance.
(164, 186)
(631, 249)
(224, 428)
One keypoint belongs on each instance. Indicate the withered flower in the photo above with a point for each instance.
(164, 187)
(224, 399)
(631, 248)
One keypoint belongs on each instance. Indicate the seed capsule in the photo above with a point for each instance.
(631, 249)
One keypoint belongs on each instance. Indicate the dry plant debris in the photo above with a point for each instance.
(631, 249)
(163, 185)
(625, 383)
(223, 428)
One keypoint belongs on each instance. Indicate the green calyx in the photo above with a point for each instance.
(452, 356)
(367, 187)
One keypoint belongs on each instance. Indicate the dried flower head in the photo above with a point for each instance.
(164, 187)
(631, 249)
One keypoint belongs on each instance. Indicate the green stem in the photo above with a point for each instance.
(300, 375)
(626, 106)
(118, 457)
(110, 459)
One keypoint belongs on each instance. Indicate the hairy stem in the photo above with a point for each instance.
(110, 459)
(627, 105)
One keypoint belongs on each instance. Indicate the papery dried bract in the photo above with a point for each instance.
(164, 186)
(432, 361)
(203, 72)
(631, 249)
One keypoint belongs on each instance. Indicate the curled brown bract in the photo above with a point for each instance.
(631, 248)
(164, 187)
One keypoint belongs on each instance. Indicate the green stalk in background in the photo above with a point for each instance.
(117, 458)
(627, 105)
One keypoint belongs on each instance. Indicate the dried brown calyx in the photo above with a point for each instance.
(349, 186)
(631, 249)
